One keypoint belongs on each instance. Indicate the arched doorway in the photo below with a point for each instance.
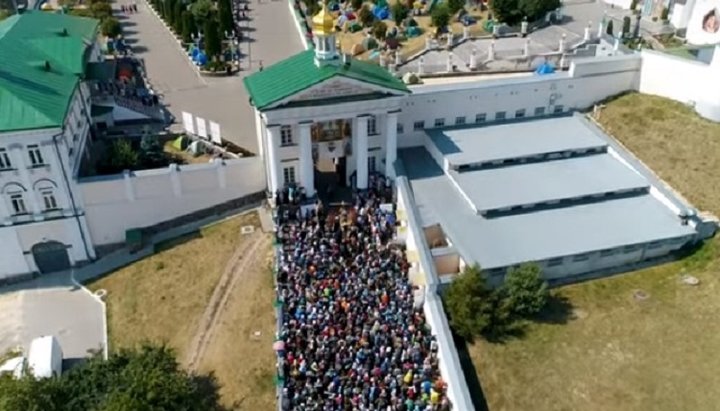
(51, 256)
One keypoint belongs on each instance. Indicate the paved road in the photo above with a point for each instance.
(272, 37)
(51, 305)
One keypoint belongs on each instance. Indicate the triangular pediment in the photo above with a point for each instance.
(337, 89)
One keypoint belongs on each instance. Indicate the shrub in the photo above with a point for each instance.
(110, 27)
(122, 156)
(440, 16)
(467, 301)
(525, 290)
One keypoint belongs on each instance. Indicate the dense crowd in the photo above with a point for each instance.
(354, 336)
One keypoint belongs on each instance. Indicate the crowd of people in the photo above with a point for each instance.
(354, 337)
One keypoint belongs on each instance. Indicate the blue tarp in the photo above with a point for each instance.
(545, 68)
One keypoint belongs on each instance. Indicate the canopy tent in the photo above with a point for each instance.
(545, 68)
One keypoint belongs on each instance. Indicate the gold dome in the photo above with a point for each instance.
(323, 23)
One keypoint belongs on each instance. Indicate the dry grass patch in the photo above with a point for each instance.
(604, 349)
(242, 361)
(161, 298)
(681, 147)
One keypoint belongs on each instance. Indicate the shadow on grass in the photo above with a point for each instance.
(168, 244)
(558, 310)
(470, 374)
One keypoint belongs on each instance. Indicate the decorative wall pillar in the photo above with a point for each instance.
(561, 46)
(391, 143)
(473, 60)
(586, 37)
(491, 51)
(129, 189)
(526, 47)
(361, 156)
(273, 135)
(307, 167)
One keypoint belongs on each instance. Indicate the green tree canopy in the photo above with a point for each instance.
(178, 9)
(213, 42)
(148, 378)
(468, 302)
(440, 16)
(201, 10)
(525, 290)
(188, 27)
(110, 27)
(122, 156)
(227, 24)
(536, 9)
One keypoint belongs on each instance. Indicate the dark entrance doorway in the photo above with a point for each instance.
(51, 256)
(330, 181)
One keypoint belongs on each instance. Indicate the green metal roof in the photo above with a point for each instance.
(31, 96)
(300, 72)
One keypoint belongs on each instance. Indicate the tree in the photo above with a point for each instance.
(366, 17)
(169, 12)
(188, 26)
(506, 11)
(379, 30)
(201, 10)
(151, 152)
(536, 9)
(525, 290)
(609, 30)
(148, 378)
(356, 4)
(440, 16)
(455, 6)
(122, 156)
(399, 12)
(469, 304)
(213, 43)
(110, 27)
(227, 24)
(626, 27)
(178, 9)
(101, 11)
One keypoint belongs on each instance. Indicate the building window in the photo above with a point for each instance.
(35, 155)
(630, 249)
(581, 257)
(460, 120)
(480, 117)
(539, 111)
(289, 175)
(4, 160)
(372, 126)
(554, 262)
(49, 199)
(439, 122)
(371, 164)
(18, 204)
(654, 244)
(400, 128)
(520, 113)
(500, 115)
(286, 135)
(558, 109)
(608, 252)
(418, 125)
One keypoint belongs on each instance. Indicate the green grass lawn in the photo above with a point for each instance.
(608, 350)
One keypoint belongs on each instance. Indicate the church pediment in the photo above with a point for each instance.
(337, 88)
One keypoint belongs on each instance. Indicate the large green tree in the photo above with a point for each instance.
(178, 9)
(148, 378)
(201, 10)
(213, 42)
(225, 16)
(536, 9)
(469, 303)
(188, 27)
(525, 291)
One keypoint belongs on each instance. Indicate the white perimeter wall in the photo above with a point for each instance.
(586, 83)
(687, 81)
(116, 203)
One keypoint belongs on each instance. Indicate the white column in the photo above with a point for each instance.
(258, 132)
(273, 133)
(491, 51)
(561, 46)
(421, 64)
(601, 29)
(307, 168)
(586, 37)
(450, 62)
(390, 144)
(361, 155)
(473, 60)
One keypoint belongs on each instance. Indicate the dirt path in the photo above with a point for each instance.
(243, 259)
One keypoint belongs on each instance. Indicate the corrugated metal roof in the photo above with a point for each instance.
(524, 184)
(538, 235)
(299, 72)
(31, 96)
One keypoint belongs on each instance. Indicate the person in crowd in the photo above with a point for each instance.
(354, 337)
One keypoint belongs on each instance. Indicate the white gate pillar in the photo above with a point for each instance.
(307, 168)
